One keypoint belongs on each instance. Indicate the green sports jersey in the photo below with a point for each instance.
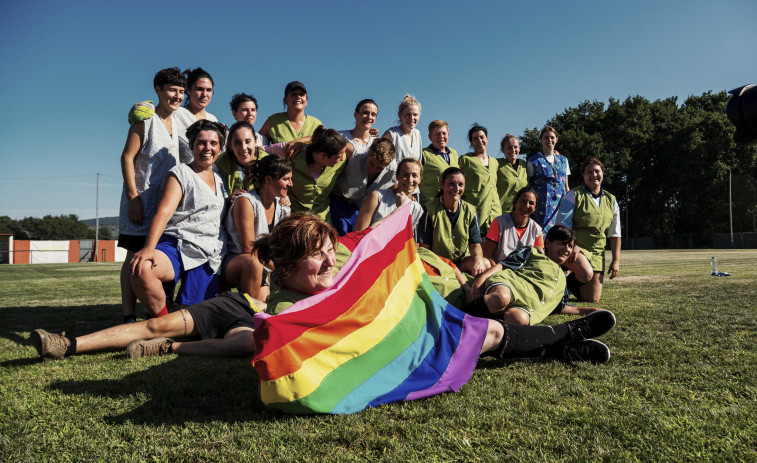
(481, 189)
(510, 179)
(433, 167)
(591, 222)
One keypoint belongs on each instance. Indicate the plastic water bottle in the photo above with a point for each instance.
(713, 266)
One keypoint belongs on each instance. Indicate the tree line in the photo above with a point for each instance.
(668, 164)
(63, 227)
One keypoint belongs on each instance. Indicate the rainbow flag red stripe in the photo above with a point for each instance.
(381, 334)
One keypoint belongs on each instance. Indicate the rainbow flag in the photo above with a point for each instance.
(381, 334)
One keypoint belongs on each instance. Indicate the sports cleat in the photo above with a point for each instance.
(149, 348)
(591, 326)
(50, 346)
(589, 350)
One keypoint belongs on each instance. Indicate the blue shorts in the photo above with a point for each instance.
(343, 214)
(197, 284)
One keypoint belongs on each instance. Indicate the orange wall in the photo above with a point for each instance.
(73, 251)
(110, 251)
(21, 254)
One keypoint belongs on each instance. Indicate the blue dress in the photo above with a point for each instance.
(549, 181)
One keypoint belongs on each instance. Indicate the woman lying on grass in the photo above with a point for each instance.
(307, 254)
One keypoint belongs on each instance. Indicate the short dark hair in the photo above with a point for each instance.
(365, 101)
(561, 233)
(239, 98)
(476, 128)
(202, 125)
(169, 76)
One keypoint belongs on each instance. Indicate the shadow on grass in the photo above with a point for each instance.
(181, 390)
(17, 322)
(178, 390)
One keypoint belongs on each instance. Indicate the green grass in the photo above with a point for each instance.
(681, 386)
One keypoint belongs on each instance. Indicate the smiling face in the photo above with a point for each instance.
(201, 93)
(479, 140)
(315, 272)
(524, 207)
(247, 111)
(593, 176)
(409, 117)
(409, 177)
(243, 146)
(558, 251)
(439, 137)
(296, 99)
(511, 148)
(453, 187)
(170, 96)
(548, 141)
(206, 148)
(279, 187)
(366, 117)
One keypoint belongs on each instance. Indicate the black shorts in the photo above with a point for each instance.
(216, 317)
(574, 286)
(131, 243)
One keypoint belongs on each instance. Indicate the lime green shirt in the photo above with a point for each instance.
(280, 130)
(510, 179)
(591, 222)
(481, 189)
(309, 194)
(433, 167)
(450, 242)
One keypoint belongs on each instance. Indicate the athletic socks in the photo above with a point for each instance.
(159, 314)
(528, 341)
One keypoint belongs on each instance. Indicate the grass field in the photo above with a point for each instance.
(681, 386)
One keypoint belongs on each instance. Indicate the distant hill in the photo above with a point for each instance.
(110, 223)
(104, 222)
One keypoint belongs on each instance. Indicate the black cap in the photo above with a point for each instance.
(294, 84)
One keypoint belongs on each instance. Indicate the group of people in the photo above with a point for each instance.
(275, 213)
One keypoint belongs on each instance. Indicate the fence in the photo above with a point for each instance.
(63, 251)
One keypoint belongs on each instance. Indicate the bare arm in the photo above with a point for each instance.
(490, 247)
(244, 220)
(615, 249)
(169, 201)
(134, 141)
(367, 211)
(476, 289)
(478, 258)
(573, 310)
(579, 264)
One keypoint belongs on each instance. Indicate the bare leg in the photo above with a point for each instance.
(592, 291)
(236, 343)
(148, 285)
(246, 271)
(128, 298)
(517, 316)
(120, 336)
(494, 334)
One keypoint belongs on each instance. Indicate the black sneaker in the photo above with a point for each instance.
(591, 326)
(589, 350)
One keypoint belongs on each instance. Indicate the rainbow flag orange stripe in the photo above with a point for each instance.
(381, 334)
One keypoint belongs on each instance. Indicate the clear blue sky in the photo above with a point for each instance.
(71, 70)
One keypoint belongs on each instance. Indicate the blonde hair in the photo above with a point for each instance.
(407, 101)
